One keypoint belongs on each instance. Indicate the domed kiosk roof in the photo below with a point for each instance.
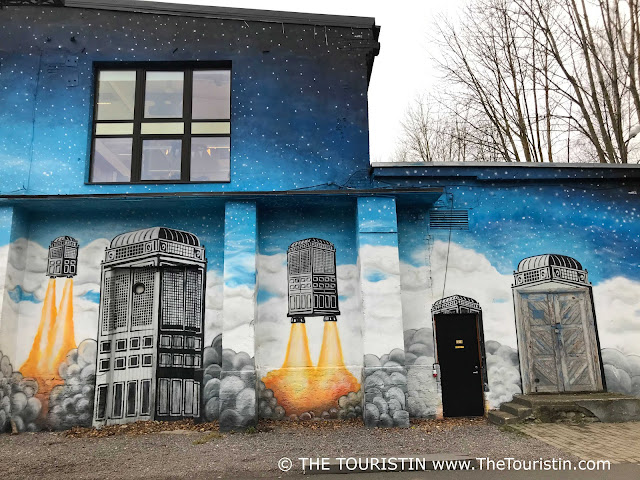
(153, 233)
(63, 239)
(455, 304)
(550, 267)
(548, 260)
(311, 242)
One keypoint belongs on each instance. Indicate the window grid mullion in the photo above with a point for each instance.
(138, 116)
(187, 106)
(138, 119)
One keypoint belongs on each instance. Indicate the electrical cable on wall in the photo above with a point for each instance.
(33, 121)
(446, 264)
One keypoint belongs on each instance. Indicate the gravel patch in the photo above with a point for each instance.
(251, 455)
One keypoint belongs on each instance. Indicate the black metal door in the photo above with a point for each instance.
(460, 365)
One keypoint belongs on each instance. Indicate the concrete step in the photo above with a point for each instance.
(522, 400)
(516, 409)
(579, 406)
(502, 418)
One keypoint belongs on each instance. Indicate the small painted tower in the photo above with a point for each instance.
(151, 327)
(63, 258)
(556, 326)
(312, 279)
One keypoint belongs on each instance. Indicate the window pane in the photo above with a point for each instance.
(210, 159)
(118, 399)
(114, 129)
(163, 95)
(146, 388)
(132, 389)
(102, 402)
(163, 396)
(111, 160)
(211, 128)
(116, 95)
(188, 397)
(176, 397)
(211, 94)
(162, 128)
(161, 159)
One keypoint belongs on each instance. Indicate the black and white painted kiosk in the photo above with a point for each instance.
(151, 327)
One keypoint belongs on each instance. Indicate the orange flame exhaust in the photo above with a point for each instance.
(53, 340)
(298, 386)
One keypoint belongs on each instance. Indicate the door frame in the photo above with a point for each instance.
(523, 337)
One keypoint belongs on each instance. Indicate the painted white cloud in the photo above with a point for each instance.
(416, 297)
(4, 258)
(617, 305)
(383, 327)
(468, 273)
(213, 306)
(238, 318)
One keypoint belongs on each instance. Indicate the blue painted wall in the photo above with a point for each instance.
(299, 98)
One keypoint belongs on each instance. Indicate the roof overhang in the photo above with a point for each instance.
(228, 13)
(504, 172)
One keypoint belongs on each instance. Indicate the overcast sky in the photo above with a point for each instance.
(401, 72)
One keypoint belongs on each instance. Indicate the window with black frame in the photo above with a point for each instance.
(159, 125)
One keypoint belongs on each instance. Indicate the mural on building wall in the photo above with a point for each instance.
(312, 292)
(151, 327)
(311, 369)
(20, 407)
(238, 380)
(506, 226)
(300, 85)
(392, 376)
(302, 388)
(58, 390)
(55, 335)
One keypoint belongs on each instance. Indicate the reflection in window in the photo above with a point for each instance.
(163, 95)
(211, 92)
(210, 159)
(162, 126)
(112, 160)
(116, 95)
(161, 159)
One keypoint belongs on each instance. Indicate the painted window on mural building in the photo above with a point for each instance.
(161, 125)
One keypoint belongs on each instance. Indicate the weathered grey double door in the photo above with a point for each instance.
(557, 342)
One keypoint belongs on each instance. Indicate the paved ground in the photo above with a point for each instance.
(243, 456)
(185, 453)
(618, 442)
